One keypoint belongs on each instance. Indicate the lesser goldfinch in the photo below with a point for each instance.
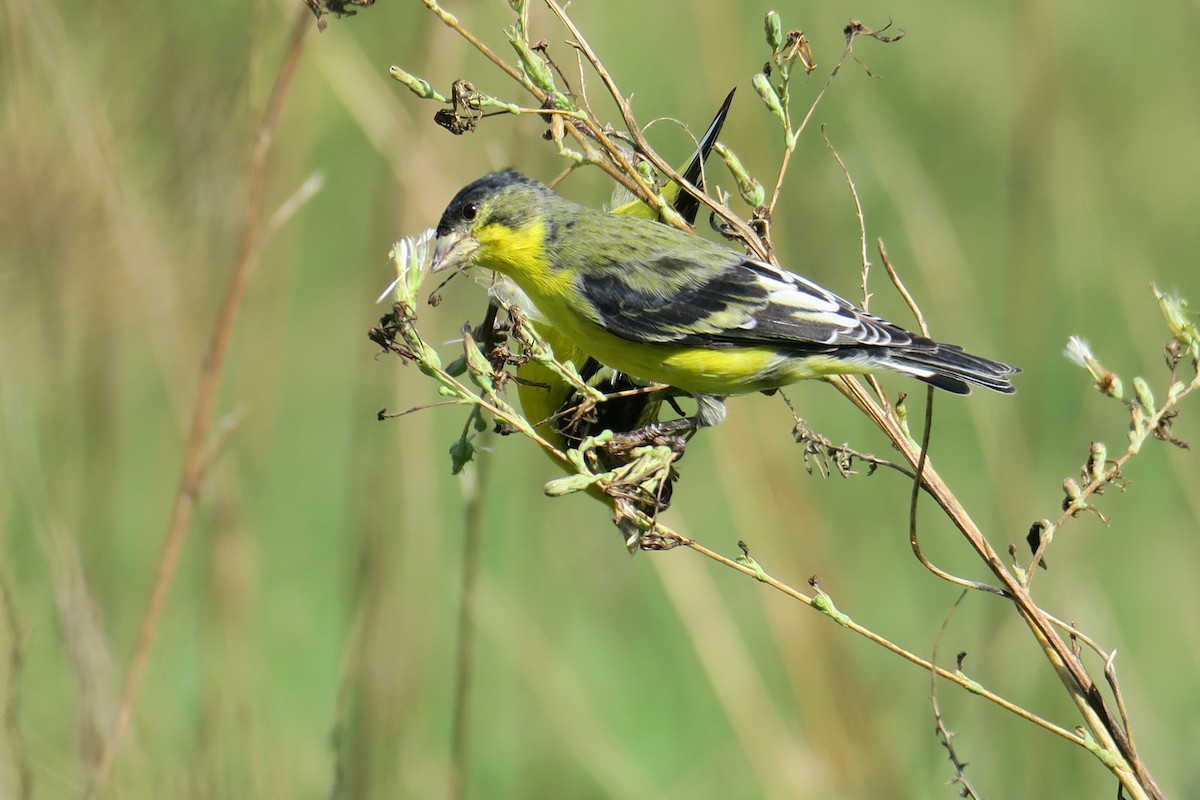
(663, 305)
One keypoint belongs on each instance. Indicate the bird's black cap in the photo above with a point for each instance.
(466, 203)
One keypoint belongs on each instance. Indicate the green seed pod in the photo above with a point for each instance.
(1180, 321)
(535, 66)
(418, 86)
(479, 368)
(461, 453)
(751, 190)
(1145, 397)
(1097, 459)
(569, 485)
(774, 29)
(762, 85)
(426, 354)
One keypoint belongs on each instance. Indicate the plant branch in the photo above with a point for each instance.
(1108, 733)
(1114, 469)
(820, 601)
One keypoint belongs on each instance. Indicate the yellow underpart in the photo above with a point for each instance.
(721, 371)
(540, 403)
(521, 254)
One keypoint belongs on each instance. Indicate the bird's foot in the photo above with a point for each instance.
(672, 433)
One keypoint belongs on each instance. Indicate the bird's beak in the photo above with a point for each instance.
(453, 250)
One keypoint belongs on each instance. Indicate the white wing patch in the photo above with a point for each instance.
(813, 313)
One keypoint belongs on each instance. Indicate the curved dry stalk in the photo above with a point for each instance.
(1112, 741)
(858, 212)
(913, 540)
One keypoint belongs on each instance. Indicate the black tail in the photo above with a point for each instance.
(686, 204)
(949, 367)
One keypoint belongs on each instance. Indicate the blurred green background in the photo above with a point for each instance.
(1031, 168)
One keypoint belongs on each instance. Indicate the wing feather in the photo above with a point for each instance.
(743, 304)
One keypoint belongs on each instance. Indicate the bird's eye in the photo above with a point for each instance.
(470, 211)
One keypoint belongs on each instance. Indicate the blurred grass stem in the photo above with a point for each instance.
(473, 491)
(18, 751)
(205, 402)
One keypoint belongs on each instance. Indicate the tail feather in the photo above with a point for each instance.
(949, 367)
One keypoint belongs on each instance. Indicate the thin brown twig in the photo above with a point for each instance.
(901, 288)
(794, 135)
(944, 733)
(385, 414)
(1110, 674)
(1078, 635)
(205, 402)
(894, 277)
(862, 238)
(858, 211)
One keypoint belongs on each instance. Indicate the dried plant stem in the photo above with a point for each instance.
(913, 539)
(1104, 726)
(858, 212)
(205, 402)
